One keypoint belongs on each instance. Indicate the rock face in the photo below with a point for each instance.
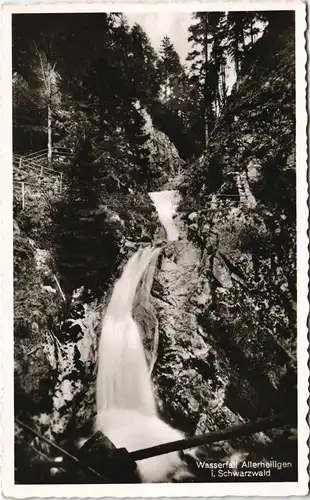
(56, 339)
(163, 152)
(227, 331)
(55, 345)
(227, 349)
(35, 294)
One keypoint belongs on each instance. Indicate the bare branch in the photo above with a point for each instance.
(62, 451)
(47, 459)
(42, 68)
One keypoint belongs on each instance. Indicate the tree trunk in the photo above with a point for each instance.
(252, 34)
(224, 87)
(49, 132)
(243, 41)
(206, 96)
(237, 59)
(166, 86)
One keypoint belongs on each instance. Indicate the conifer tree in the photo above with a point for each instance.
(218, 60)
(48, 93)
(236, 45)
(251, 29)
(170, 69)
(206, 59)
(143, 65)
(217, 39)
(84, 244)
(241, 31)
(138, 151)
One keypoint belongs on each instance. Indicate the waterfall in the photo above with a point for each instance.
(126, 407)
(165, 203)
(123, 376)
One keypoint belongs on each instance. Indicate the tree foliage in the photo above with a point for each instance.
(79, 81)
(86, 246)
(219, 41)
(248, 128)
(170, 113)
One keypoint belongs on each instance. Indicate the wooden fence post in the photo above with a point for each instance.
(60, 186)
(23, 195)
(20, 162)
(41, 171)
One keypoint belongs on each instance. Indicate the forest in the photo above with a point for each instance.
(100, 120)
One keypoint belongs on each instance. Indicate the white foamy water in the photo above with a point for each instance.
(123, 376)
(166, 203)
(126, 407)
(134, 431)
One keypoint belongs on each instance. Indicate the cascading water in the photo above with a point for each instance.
(165, 203)
(123, 377)
(126, 407)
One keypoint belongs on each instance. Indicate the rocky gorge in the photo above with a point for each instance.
(224, 292)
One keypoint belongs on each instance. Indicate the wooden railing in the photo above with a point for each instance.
(33, 173)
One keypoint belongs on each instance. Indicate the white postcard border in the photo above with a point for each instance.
(7, 420)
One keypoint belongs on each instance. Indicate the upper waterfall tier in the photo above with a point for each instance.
(166, 203)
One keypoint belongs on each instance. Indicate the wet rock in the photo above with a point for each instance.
(163, 151)
(192, 216)
(221, 272)
(16, 229)
(193, 227)
(225, 350)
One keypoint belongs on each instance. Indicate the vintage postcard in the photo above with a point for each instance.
(155, 269)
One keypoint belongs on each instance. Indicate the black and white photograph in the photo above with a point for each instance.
(158, 274)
